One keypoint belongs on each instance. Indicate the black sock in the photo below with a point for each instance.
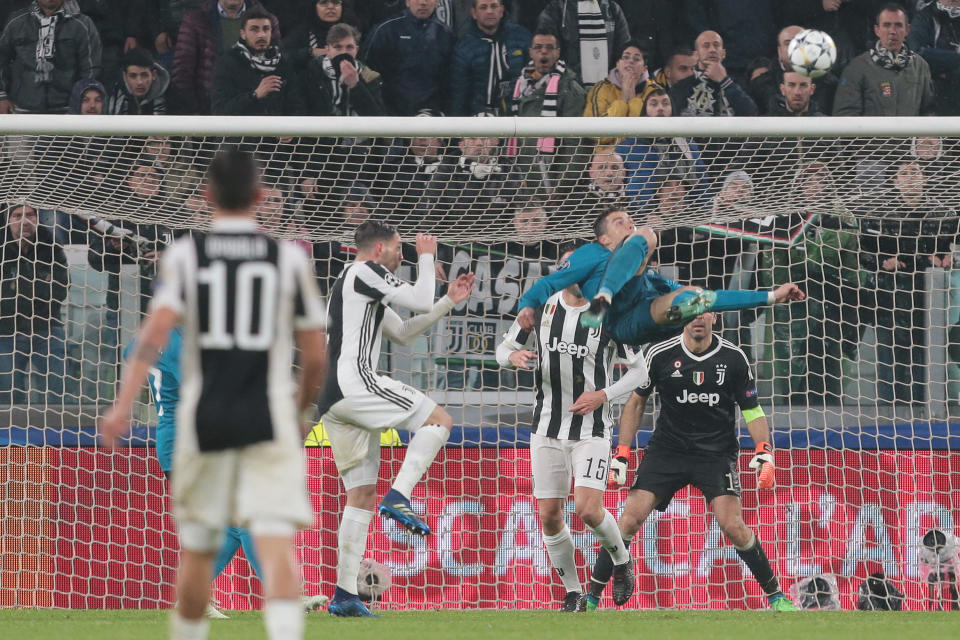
(756, 560)
(602, 570)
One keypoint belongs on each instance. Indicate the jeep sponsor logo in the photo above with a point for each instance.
(709, 399)
(576, 350)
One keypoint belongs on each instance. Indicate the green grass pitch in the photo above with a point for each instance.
(502, 625)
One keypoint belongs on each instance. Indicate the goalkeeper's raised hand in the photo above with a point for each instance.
(619, 463)
(762, 461)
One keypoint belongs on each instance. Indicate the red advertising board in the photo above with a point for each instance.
(848, 513)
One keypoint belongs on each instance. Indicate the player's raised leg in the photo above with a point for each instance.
(423, 449)
(728, 512)
(629, 259)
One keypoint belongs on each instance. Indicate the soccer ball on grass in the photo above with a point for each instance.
(373, 580)
(812, 53)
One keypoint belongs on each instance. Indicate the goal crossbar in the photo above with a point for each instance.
(104, 125)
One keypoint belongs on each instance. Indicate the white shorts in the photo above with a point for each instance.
(263, 482)
(354, 424)
(555, 462)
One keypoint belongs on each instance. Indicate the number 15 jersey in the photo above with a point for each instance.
(241, 295)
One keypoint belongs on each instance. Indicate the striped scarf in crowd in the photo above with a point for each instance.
(46, 44)
(594, 56)
(498, 64)
(527, 84)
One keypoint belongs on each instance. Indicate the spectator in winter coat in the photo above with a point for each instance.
(710, 91)
(489, 51)
(888, 80)
(340, 85)
(88, 97)
(796, 97)
(44, 50)
(650, 162)
(308, 40)
(679, 65)
(33, 286)
(142, 88)
(765, 88)
(253, 78)
(591, 34)
(935, 35)
(624, 90)
(412, 52)
(545, 88)
(204, 35)
(748, 27)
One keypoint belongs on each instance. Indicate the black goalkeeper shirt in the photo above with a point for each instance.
(698, 395)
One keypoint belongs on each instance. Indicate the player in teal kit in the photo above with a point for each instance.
(164, 378)
(633, 301)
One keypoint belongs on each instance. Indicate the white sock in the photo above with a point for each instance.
(562, 552)
(351, 546)
(608, 533)
(423, 448)
(284, 619)
(183, 629)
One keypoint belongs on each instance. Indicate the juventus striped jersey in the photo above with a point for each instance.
(698, 395)
(357, 314)
(572, 359)
(240, 295)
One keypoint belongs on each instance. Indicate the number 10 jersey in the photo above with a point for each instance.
(241, 295)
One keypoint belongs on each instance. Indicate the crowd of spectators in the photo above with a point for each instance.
(530, 58)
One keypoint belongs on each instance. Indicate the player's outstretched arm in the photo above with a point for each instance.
(404, 331)
(152, 339)
(788, 292)
(575, 271)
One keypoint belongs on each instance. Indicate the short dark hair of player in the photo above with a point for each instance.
(894, 7)
(342, 31)
(600, 224)
(371, 232)
(254, 14)
(233, 180)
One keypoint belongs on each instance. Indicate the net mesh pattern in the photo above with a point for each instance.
(859, 382)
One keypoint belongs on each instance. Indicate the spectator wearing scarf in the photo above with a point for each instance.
(308, 41)
(340, 85)
(253, 78)
(32, 40)
(888, 80)
(935, 35)
(489, 51)
(592, 33)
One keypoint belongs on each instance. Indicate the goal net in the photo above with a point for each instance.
(861, 382)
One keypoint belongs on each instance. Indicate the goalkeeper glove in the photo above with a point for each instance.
(618, 466)
(763, 461)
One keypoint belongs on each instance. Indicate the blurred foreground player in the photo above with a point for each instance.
(243, 299)
(700, 377)
(570, 437)
(358, 403)
(163, 380)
